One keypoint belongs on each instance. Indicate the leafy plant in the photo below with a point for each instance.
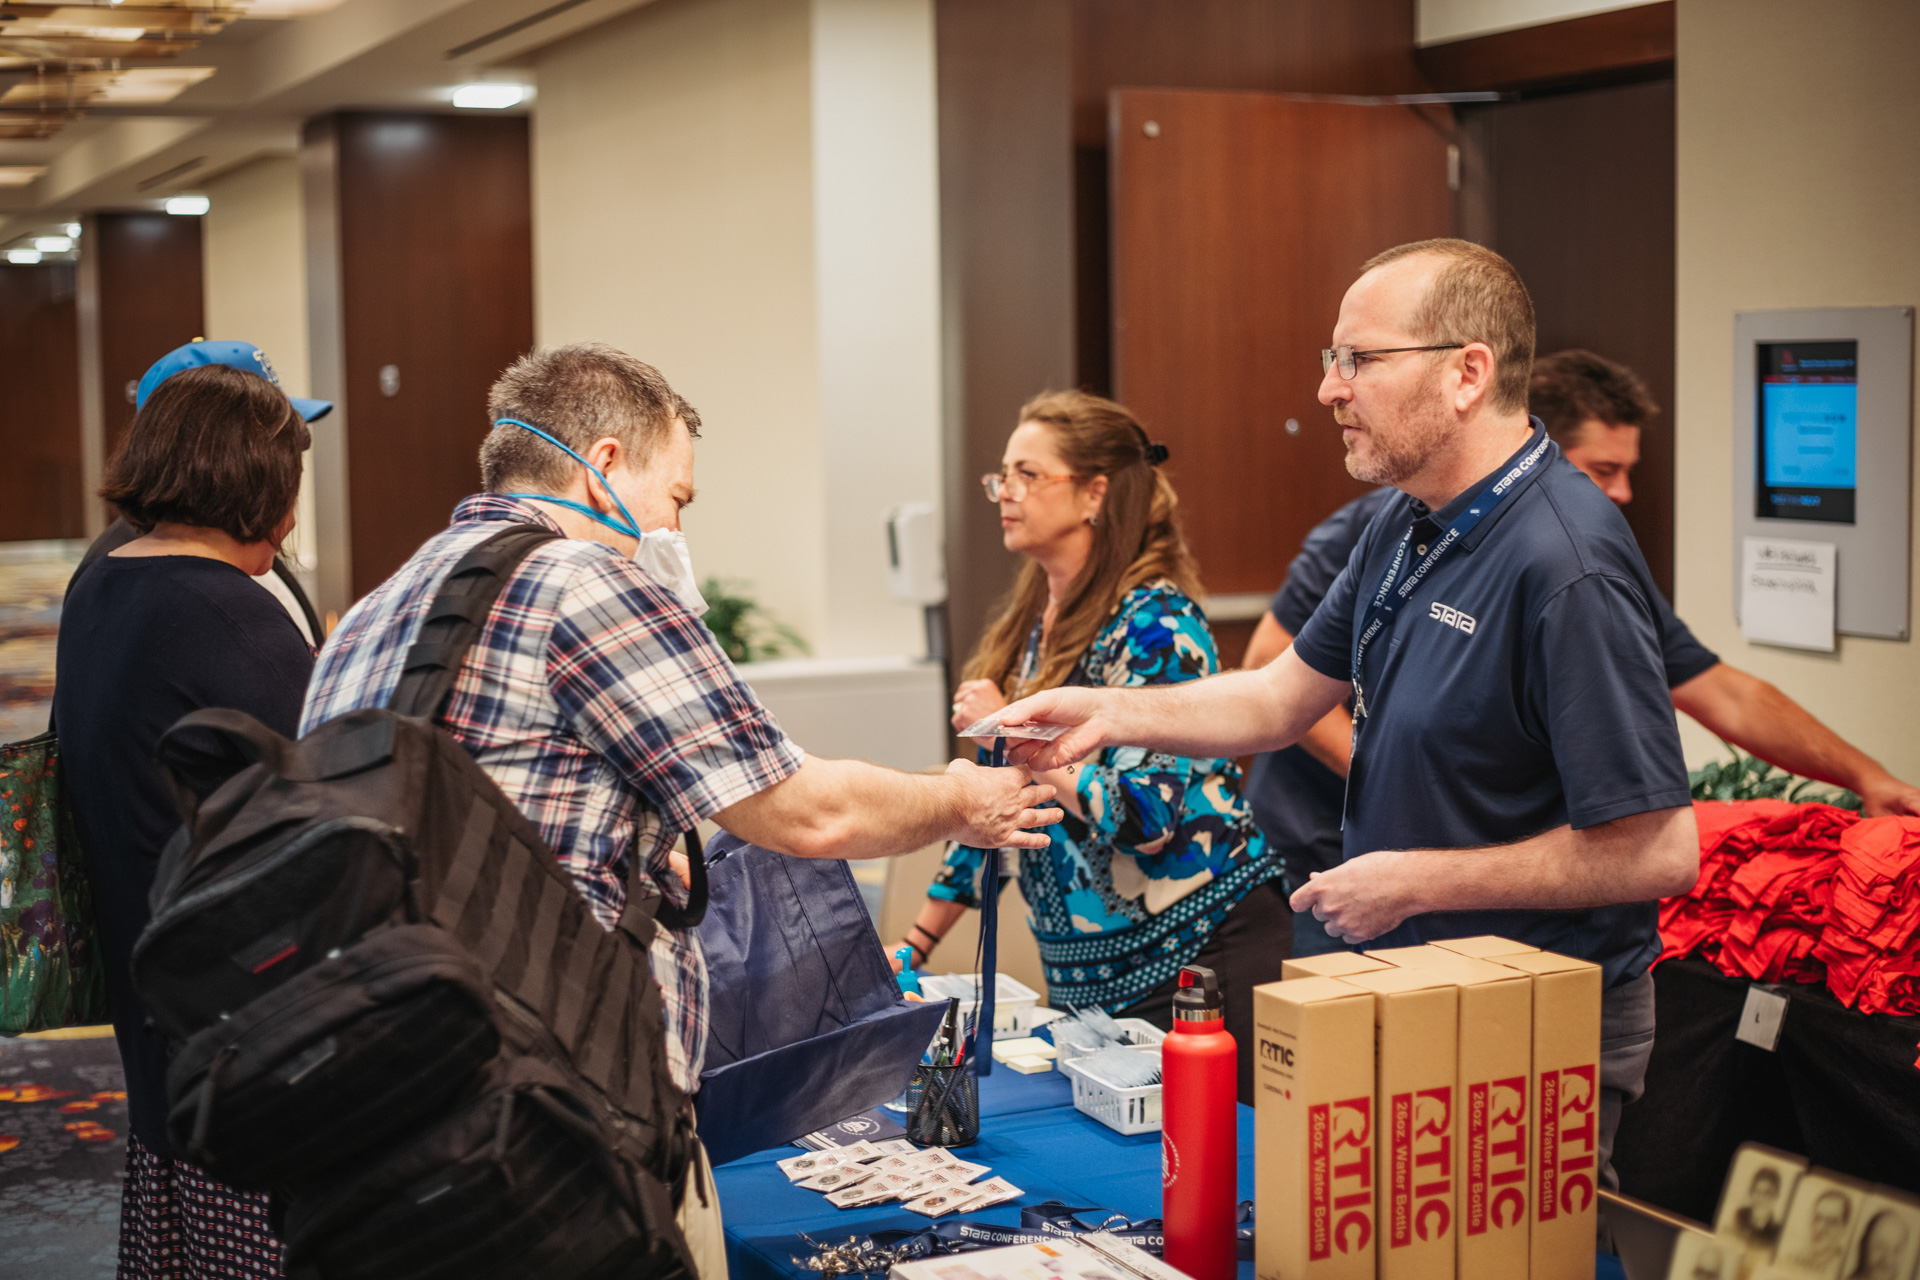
(1751, 778)
(746, 632)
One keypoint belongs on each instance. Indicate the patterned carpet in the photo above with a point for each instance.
(63, 1148)
(63, 1109)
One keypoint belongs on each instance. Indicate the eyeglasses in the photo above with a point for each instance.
(1348, 359)
(1013, 485)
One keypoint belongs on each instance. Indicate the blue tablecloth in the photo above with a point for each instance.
(1029, 1134)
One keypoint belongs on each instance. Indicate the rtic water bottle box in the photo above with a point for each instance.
(1334, 964)
(1316, 1130)
(1485, 947)
(1566, 1111)
(1416, 1036)
(1492, 1123)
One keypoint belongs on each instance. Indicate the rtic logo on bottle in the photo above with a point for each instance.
(1569, 1141)
(1169, 1160)
(1339, 1177)
(1496, 1195)
(1421, 1169)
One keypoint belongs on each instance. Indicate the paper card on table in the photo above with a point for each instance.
(892, 1147)
(846, 1175)
(1787, 593)
(861, 1152)
(811, 1165)
(942, 1201)
(989, 1193)
(990, 727)
(871, 1191)
(965, 1171)
(1761, 1018)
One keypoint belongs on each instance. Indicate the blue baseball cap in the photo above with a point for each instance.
(243, 356)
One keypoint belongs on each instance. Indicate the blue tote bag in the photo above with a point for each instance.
(806, 1022)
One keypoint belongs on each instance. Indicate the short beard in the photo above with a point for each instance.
(1423, 430)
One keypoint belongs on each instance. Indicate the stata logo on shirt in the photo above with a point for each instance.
(1452, 617)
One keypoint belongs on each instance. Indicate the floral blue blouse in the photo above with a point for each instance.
(1120, 901)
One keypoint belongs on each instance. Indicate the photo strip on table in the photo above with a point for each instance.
(1754, 1199)
(1699, 1256)
(1825, 1213)
(1887, 1245)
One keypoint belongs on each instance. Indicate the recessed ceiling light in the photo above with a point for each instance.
(491, 97)
(23, 257)
(73, 229)
(189, 206)
(53, 244)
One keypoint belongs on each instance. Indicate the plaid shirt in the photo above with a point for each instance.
(600, 706)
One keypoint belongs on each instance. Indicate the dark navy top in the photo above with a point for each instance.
(1521, 688)
(144, 640)
(1296, 799)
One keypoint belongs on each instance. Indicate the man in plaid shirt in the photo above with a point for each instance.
(600, 704)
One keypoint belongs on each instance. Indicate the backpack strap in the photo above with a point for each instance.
(457, 615)
(645, 909)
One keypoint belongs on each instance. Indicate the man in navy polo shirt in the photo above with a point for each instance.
(1516, 766)
(1594, 409)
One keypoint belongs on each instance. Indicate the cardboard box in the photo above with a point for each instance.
(1493, 1131)
(1315, 1130)
(1485, 947)
(1416, 1048)
(1334, 964)
(1566, 1109)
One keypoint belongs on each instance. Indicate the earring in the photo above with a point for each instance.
(1094, 519)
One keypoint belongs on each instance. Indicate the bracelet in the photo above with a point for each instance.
(926, 951)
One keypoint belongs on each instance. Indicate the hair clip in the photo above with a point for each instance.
(1156, 454)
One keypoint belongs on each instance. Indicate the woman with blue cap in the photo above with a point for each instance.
(169, 622)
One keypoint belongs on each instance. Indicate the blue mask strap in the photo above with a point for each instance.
(632, 527)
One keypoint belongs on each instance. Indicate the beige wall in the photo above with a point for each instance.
(254, 274)
(1799, 186)
(673, 217)
(742, 192)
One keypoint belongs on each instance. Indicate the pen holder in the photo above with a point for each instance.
(943, 1107)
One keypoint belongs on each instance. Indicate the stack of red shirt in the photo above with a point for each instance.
(1871, 948)
(1805, 893)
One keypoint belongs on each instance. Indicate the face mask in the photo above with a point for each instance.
(662, 554)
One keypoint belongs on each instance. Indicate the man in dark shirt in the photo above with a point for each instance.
(1517, 768)
(1594, 410)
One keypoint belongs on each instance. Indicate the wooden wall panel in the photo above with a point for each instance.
(150, 301)
(1232, 252)
(40, 484)
(1577, 191)
(1007, 270)
(435, 269)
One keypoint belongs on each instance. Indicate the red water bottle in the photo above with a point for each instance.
(1199, 1165)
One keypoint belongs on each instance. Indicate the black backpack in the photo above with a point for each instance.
(388, 1004)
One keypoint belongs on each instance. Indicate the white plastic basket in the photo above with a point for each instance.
(1145, 1034)
(1014, 1001)
(1122, 1110)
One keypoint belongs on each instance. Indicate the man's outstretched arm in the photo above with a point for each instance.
(1638, 858)
(1756, 717)
(1226, 715)
(1330, 741)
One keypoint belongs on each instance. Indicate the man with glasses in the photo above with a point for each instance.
(1594, 409)
(1516, 766)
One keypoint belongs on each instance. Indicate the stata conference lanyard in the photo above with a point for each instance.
(1394, 592)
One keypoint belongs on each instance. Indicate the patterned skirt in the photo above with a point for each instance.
(176, 1223)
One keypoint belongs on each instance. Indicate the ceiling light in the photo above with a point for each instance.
(19, 175)
(23, 257)
(490, 97)
(53, 244)
(189, 206)
(73, 230)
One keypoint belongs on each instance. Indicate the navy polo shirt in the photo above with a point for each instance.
(1521, 688)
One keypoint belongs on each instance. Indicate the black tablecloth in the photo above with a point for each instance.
(1841, 1088)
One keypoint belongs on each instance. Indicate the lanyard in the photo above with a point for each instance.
(1394, 591)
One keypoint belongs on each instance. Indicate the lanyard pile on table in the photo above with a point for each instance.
(881, 1250)
(1805, 893)
(934, 1182)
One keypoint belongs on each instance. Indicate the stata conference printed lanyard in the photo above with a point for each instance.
(1394, 591)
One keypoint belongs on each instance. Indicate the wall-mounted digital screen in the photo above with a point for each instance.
(1809, 398)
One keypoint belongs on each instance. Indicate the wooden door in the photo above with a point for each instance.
(1239, 220)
